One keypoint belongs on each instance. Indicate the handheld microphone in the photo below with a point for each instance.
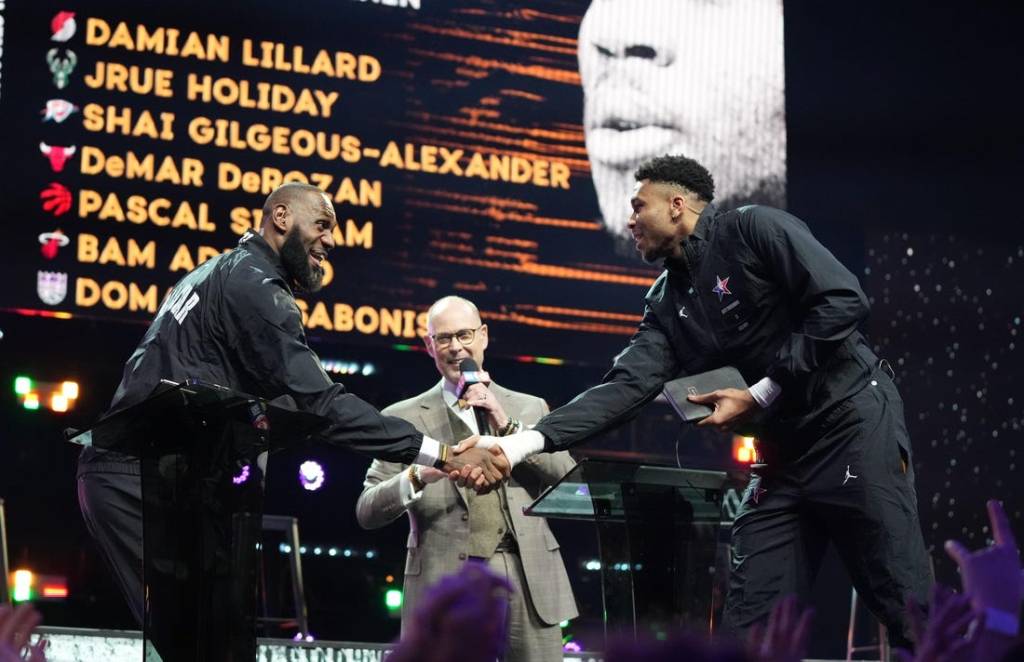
(472, 374)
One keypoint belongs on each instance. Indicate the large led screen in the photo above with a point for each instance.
(477, 148)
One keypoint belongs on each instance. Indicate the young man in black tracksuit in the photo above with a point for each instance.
(752, 288)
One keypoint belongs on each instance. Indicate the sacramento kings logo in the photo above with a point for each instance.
(52, 286)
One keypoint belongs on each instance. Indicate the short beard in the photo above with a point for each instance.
(614, 186)
(295, 258)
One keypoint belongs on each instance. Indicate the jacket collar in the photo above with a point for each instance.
(257, 245)
(694, 245)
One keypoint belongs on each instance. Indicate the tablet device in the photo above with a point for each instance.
(677, 390)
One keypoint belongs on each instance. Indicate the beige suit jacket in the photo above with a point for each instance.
(439, 521)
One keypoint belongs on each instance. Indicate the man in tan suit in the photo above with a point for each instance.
(449, 524)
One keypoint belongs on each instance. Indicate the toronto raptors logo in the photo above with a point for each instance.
(56, 198)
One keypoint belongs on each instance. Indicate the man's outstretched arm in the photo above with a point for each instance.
(266, 327)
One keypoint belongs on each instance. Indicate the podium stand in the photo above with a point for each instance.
(659, 531)
(202, 500)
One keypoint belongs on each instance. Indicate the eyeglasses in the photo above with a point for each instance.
(464, 336)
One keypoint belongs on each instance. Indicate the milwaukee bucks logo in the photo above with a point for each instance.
(61, 67)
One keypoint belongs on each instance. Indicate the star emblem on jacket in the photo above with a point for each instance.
(721, 286)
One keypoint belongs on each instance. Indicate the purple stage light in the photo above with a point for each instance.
(242, 476)
(311, 475)
(572, 647)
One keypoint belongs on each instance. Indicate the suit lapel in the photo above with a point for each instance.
(434, 417)
(505, 399)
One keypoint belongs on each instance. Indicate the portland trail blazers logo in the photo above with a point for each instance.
(63, 26)
(52, 286)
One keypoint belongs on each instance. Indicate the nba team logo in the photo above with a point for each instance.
(57, 154)
(51, 243)
(56, 198)
(63, 26)
(52, 286)
(58, 110)
(61, 67)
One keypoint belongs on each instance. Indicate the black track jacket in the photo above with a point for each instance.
(233, 321)
(754, 290)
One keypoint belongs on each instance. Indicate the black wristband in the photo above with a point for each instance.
(442, 456)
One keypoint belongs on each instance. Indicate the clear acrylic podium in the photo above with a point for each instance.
(661, 539)
(202, 494)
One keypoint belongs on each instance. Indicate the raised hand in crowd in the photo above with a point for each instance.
(462, 617)
(16, 626)
(991, 579)
(986, 574)
(943, 636)
(982, 622)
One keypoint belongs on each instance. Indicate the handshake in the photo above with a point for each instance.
(476, 462)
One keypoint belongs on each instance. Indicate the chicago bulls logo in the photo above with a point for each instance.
(58, 155)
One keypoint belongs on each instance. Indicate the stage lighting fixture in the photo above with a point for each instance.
(58, 396)
(54, 591)
(744, 449)
(311, 475)
(22, 385)
(22, 586)
(393, 599)
(243, 475)
(58, 402)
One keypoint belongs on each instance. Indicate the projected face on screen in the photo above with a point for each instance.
(703, 78)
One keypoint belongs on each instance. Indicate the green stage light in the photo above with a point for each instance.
(22, 586)
(393, 599)
(22, 385)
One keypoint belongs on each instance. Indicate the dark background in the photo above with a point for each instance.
(904, 133)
